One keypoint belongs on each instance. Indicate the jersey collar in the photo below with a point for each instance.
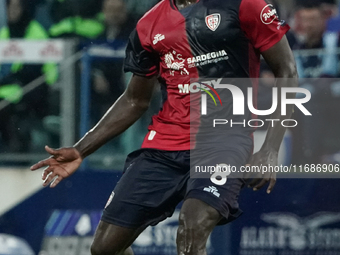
(173, 5)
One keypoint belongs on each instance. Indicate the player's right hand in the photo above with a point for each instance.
(260, 178)
(62, 163)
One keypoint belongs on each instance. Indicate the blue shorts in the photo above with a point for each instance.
(154, 182)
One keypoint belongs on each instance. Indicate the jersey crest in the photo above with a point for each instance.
(213, 21)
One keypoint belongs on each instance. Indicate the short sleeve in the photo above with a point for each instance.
(261, 24)
(139, 60)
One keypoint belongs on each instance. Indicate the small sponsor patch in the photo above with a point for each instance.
(268, 14)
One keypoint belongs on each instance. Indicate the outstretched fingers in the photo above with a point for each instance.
(47, 171)
(271, 184)
(48, 176)
(56, 181)
(258, 183)
(42, 163)
(52, 176)
(261, 184)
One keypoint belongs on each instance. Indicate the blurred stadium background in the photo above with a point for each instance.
(60, 70)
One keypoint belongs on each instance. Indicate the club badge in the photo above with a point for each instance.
(213, 21)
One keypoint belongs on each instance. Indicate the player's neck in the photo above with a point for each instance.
(184, 3)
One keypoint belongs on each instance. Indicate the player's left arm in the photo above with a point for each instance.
(266, 32)
(281, 60)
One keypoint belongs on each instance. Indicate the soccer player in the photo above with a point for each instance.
(173, 42)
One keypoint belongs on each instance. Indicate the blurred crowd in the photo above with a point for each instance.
(315, 25)
(90, 20)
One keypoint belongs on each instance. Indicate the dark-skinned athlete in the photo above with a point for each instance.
(174, 43)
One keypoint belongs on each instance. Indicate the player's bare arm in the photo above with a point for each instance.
(121, 115)
(281, 60)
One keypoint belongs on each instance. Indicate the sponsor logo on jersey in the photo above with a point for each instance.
(175, 61)
(209, 56)
(158, 38)
(196, 87)
(268, 14)
(213, 190)
(213, 21)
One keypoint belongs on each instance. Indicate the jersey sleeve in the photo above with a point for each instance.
(139, 59)
(261, 24)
